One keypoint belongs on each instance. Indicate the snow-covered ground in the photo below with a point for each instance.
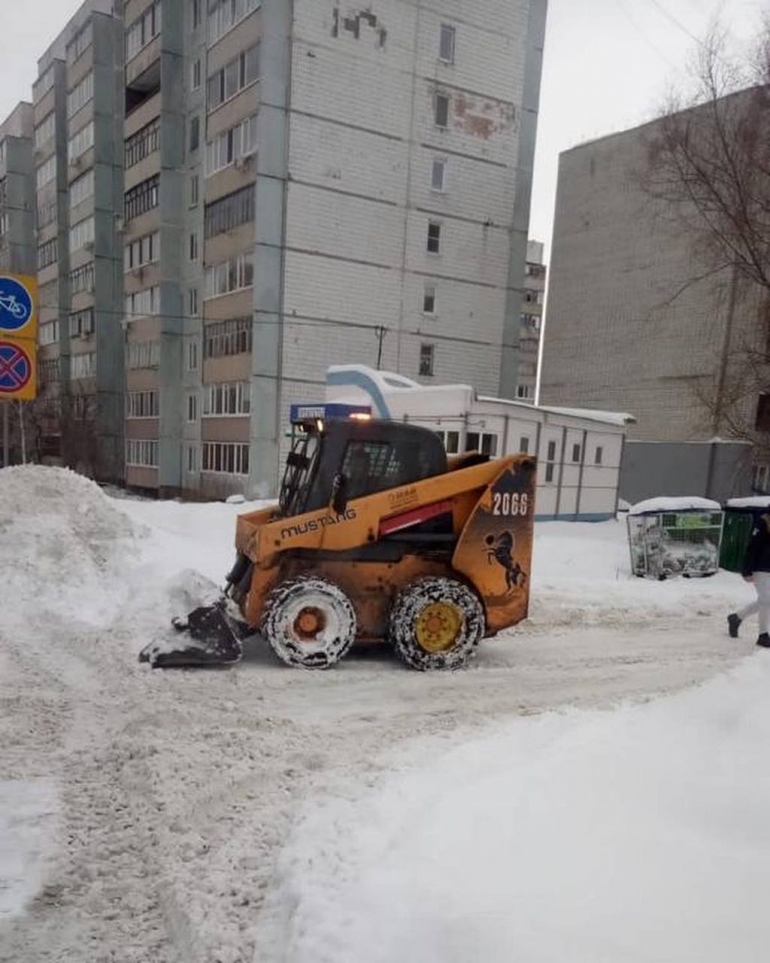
(592, 788)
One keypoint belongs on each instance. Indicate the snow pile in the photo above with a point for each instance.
(632, 835)
(66, 545)
(665, 504)
(27, 827)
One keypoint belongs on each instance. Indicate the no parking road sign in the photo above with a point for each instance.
(17, 370)
(18, 337)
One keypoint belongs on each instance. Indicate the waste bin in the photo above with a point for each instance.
(670, 537)
(741, 515)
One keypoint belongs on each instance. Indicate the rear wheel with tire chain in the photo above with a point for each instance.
(309, 622)
(436, 623)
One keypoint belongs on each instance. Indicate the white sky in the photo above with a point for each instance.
(607, 66)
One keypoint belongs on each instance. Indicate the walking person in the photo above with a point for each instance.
(756, 569)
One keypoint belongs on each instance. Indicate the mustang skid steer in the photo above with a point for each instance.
(376, 536)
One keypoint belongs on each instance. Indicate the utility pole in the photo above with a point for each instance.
(6, 437)
(379, 333)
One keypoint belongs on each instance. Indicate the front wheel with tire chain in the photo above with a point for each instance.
(309, 622)
(436, 623)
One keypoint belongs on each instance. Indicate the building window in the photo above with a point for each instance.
(80, 142)
(46, 211)
(83, 365)
(142, 404)
(429, 299)
(226, 458)
(143, 251)
(441, 110)
(227, 338)
(452, 442)
(47, 254)
(46, 172)
(522, 391)
(231, 145)
(192, 355)
(82, 234)
(45, 130)
(438, 175)
(484, 442)
(143, 30)
(434, 237)
(426, 360)
(225, 14)
(195, 133)
(530, 321)
(193, 249)
(195, 75)
(141, 454)
(143, 143)
(232, 275)
(599, 455)
(762, 422)
(533, 297)
(142, 198)
(196, 13)
(143, 354)
(80, 43)
(194, 190)
(229, 212)
(446, 44)
(142, 304)
(550, 460)
(535, 270)
(524, 445)
(81, 189)
(576, 451)
(82, 323)
(82, 278)
(49, 332)
(80, 95)
(192, 407)
(193, 301)
(761, 481)
(222, 400)
(233, 77)
(43, 84)
(192, 457)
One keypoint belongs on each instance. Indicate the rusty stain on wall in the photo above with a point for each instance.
(477, 116)
(351, 24)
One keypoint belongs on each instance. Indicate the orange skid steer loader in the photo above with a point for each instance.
(376, 536)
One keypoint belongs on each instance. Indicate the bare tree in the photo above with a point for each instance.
(708, 162)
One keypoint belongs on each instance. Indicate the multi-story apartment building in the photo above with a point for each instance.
(78, 136)
(302, 185)
(531, 321)
(17, 193)
(628, 327)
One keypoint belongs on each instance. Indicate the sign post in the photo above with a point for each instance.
(18, 345)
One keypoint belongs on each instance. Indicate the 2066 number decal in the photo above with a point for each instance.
(508, 504)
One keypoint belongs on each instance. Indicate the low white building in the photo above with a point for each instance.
(579, 451)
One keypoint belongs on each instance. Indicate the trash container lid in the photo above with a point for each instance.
(756, 501)
(654, 506)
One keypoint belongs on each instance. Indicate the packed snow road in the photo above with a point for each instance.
(143, 814)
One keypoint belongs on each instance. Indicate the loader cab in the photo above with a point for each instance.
(339, 461)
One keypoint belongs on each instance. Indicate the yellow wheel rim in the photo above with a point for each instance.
(438, 626)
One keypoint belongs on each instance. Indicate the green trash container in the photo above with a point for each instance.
(741, 515)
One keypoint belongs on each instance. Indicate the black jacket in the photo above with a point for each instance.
(757, 557)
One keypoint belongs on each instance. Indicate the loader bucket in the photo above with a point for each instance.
(208, 636)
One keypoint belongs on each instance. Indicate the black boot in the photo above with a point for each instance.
(733, 623)
(764, 640)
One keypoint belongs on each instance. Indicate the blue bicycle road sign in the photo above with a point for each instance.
(16, 305)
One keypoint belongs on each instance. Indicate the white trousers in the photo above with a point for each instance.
(762, 602)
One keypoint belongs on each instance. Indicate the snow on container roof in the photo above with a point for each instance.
(593, 414)
(756, 501)
(692, 503)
